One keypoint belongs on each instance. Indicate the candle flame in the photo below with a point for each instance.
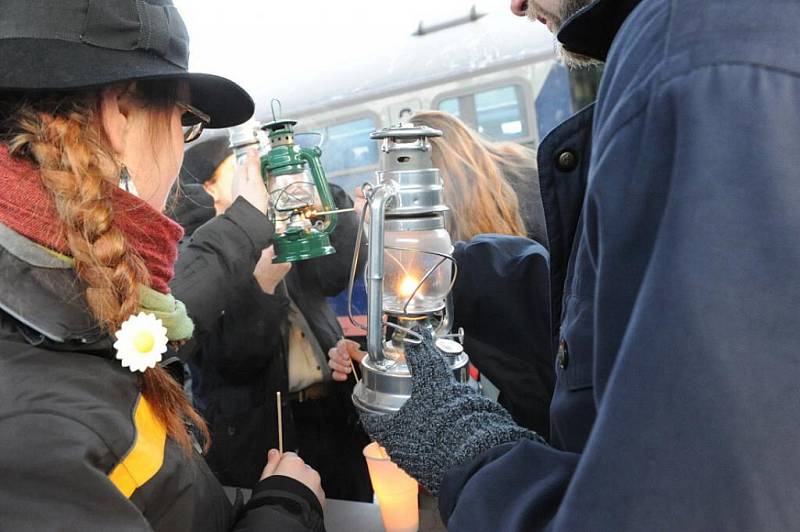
(407, 285)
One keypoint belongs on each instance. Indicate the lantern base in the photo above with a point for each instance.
(384, 391)
(297, 246)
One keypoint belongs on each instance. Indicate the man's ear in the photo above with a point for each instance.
(114, 113)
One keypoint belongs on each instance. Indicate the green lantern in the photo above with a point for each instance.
(301, 202)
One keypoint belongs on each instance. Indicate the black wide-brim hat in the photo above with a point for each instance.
(80, 44)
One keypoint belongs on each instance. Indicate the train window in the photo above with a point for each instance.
(500, 113)
(347, 146)
(349, 157)
(451, 106)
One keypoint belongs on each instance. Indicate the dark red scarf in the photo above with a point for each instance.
(27, 208)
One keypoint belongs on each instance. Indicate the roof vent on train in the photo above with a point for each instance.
(427, 27)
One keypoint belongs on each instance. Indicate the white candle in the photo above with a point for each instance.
(397, 493)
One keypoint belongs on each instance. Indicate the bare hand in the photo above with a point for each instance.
(292, 466)
(249, 184)
(269, 275)
(359, 200)
(340, 356)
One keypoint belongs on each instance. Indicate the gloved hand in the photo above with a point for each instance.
(443, 424)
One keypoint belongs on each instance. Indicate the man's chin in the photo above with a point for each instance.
(574, 60)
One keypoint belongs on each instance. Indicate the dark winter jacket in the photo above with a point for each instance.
(680, 324)
(504, 279)
(530, 202)
(80, 449)
(241, 353)
(564, 164)
(218, 256)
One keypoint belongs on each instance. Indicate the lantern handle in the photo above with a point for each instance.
(311, 157)
(276, 115)
(354, 267)
(368, 190)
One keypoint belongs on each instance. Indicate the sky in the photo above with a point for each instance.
(250, 40)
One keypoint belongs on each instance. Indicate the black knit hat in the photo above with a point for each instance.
(190, 205)
(77, 44)
(201, 160)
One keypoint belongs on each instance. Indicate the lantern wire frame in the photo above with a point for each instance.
(281, 194)
(369, 190)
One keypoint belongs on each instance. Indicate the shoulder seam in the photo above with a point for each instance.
(663, 84)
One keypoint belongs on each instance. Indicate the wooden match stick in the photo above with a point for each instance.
(353, 369)
(280, 422)
(352, 366)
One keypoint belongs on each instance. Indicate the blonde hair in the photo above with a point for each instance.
(481, 200)
(78, 170)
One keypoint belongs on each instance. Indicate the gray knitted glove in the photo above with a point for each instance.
(444, 424)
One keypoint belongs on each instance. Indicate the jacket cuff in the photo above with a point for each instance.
(289, 494)
(455, 478)
(253, 222)
(274, 300)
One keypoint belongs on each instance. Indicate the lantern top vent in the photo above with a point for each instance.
(281, 132)
(405, 147)
(404, 132)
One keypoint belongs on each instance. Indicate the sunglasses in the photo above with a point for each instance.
(193, 120)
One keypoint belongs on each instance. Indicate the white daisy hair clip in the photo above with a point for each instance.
(141, 340)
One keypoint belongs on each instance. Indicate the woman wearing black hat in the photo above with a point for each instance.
(93, 430)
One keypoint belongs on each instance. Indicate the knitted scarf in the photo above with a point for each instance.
(27, 208)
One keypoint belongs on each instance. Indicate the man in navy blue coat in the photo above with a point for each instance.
(677, 386)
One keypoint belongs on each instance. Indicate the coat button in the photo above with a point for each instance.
(567, 161)
(563, 355)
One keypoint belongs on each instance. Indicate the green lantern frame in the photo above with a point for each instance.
(285, 158)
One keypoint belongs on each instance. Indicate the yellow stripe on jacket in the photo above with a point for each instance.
(147, 454)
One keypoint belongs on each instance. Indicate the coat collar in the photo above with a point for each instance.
(46, 300)
(591, 30)
(42, 293)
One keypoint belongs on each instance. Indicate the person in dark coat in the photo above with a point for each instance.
(93, 427)
(256, 343)
(504, 279)
(492, 188)
(679, 336)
